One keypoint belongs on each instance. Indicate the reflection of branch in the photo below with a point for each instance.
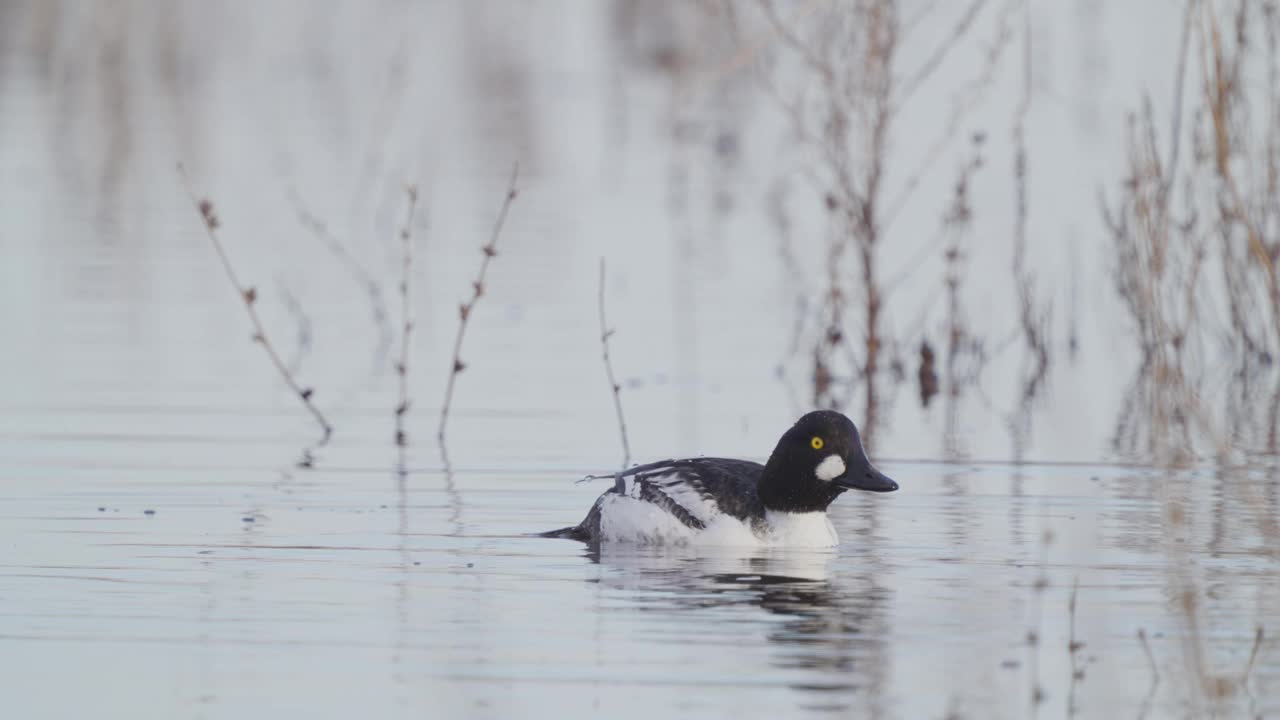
(605, 334)
(249, 296)
(1073, 649)
(320, 231)
(406, 321)
(477, 289)
(303, 343)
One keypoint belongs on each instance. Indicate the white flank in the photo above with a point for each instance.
(628, 520)
(830, 468)
(807, 530)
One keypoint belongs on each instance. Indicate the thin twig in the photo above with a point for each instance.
(477, 289)
(1175, 135)
(249, 296)
(605, 334)
(963, 102)
(1145, 708)
(944, 49)
(1032, 315)
(1253, 656)
(1151, 658)
(406, 321)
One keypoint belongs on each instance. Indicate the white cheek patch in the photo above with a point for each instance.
(830, 468)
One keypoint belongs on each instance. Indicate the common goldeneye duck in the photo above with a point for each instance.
(738, 502)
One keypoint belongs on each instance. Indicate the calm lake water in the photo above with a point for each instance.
(162, 555)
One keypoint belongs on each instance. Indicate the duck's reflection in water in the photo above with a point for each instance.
(833, 638)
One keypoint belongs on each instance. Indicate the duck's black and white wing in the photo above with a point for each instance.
(671, 500)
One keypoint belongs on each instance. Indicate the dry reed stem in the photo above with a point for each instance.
(882, 36)
(1163, 261)
(1221, 88)
(249, 297)
(406, 319)
(958, 223)
(605, 334)
(852, 141)
(1158, 258)
(490, 251)
(1032, 316)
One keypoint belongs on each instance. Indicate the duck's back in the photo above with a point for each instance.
(675, 501)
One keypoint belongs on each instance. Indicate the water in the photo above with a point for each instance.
(162, 555)
(334, 593)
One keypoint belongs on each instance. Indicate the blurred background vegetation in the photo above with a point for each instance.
(951, 213)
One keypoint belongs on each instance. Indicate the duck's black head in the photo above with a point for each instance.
(820, 457)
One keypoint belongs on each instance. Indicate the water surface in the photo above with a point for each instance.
(162, 555)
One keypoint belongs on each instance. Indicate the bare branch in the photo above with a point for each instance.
(406, 320)
(249, 296)
(490, 251)
(605, 334)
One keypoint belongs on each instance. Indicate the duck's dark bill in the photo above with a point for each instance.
(872, 480)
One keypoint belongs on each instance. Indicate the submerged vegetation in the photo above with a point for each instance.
(1196, 232)
(1195, 242)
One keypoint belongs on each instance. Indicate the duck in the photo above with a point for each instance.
(723, 501)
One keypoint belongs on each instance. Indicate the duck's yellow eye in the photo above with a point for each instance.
(816, 443)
